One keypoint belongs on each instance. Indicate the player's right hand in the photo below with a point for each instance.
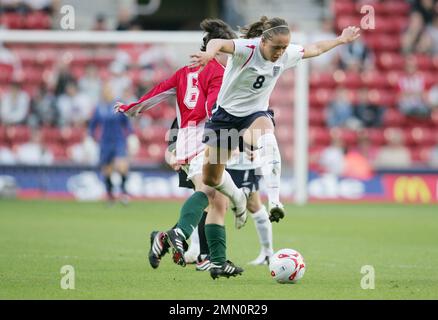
(200, 59)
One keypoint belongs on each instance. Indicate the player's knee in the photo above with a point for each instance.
(211, 181)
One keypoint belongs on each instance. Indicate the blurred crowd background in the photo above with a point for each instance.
(372, 104)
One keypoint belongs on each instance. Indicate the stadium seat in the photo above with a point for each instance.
(420, 137)
(37, 20)
(321, 80)
(375, 136)
(393, 118)
(18, 134)
(50, 135)
(396, 7)
(13, 20)
(390, 61)
(319, 136)
(374, 79)
(320, 97)
(350, 80)
(343, 8)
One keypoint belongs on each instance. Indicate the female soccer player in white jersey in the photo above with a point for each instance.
(256, 63)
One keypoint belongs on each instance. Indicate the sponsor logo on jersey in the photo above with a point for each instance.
(276, 70)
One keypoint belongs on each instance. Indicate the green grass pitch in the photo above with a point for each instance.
(108, 246)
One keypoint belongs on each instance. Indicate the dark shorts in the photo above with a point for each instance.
(223, 129)
(245, 178)
(183, 182)
(109, 152)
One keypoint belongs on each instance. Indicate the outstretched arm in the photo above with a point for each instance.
(214, 46)
(348, 35)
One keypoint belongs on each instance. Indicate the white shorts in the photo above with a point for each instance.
(189, 143)
(195, 166)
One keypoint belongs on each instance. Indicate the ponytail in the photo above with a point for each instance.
(265, 28)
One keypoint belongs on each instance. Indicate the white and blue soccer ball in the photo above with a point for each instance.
(287, 266)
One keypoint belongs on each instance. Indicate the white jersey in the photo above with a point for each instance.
(249, 79)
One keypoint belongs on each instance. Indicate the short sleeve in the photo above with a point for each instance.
(294, 55)
(243, 49)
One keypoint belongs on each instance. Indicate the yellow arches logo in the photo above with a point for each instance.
(411, 189)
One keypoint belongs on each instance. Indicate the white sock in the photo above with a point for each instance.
(271, 165)
(194, 238)
(264, 230)
(229, 188)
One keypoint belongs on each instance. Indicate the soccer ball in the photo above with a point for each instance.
(287, 266)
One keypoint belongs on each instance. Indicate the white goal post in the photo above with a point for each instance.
(192, 39)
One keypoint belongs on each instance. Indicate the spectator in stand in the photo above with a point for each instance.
(332, 157)
(124, 20)
(9, 59)
(339, 112)
(411, 91)
(394, 154)
(7, 156)
(43, 108)
(325, 62)
(433, 157)
(34, 152)
(90, 84)
(41, 5)
(73, 107)
(421, 16)
(357, 166)
(62, 76)
(119, 81)
(369, 114)
(14, 105)
(432, 97)
(429, 39)
(100, 24)
(85, 152)
(356, 57)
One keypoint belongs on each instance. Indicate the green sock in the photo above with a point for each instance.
(217, 243)
(191, 212)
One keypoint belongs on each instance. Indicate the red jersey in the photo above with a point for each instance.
(196, 93)
(183, 84)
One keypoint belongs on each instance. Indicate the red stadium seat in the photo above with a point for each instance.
(390, 61)
(319, 136)
(393, 118)
(420, 136)
(37, 20)
(13, 20)
(321, 80)
(6, 72)
(50, 135)
(396, 7)
(320, 97)
(374, 80)
(341, 8)
(350, 80)
(18, 134)
(375, 136)
(383, 42)
(384, 98)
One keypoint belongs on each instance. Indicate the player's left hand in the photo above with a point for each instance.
(117, 107)
(350, 34)
(200, 59)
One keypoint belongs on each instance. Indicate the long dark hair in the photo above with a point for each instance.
(216, 29)
(257, 29)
